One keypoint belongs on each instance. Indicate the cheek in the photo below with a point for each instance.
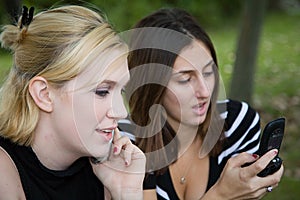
(172, 102)
(84, 113)
(99, 110)
(212, 86)
(83, 108)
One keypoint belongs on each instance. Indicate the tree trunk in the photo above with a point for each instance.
(242, 82)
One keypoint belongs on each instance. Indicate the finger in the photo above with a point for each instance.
(137, 153)
(267, 157)
(117, 134)
(268, 189)
(262, 163)
(127, 152)
(259, 193)
(272, 179)
(120, 144)
(116, 146)
(279, 173)
(242, 158)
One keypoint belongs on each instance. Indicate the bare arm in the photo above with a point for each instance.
(150, 195)
(10, 183)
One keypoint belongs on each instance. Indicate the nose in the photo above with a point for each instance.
(202, 89)
(118, 109)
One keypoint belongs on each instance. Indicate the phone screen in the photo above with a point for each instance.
(272, 136)
(275, 139)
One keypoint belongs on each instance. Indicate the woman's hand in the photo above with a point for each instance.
(237, 182)
(123, 173)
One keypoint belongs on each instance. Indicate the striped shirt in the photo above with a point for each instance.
(242, 135)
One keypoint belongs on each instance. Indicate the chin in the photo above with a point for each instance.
(100, 151)
(100, 155)
(199, 120)
(194, 123)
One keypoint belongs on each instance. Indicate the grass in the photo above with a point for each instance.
(277, 91)
(287, 190)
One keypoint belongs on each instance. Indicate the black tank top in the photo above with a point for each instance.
(78, 182)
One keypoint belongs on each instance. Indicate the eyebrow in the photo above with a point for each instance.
(113, 83)
(110, 82)
(189, 71)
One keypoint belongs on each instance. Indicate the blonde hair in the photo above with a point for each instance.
(58, 44)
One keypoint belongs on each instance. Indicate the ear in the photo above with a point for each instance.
(40, 93)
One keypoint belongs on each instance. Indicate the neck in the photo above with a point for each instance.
(195, 147)
(186, 135)
(52, 158)
(51, 150)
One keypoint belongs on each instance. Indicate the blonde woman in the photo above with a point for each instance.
(59, 107)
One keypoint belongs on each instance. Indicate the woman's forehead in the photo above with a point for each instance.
(195, 55)
(109, 66)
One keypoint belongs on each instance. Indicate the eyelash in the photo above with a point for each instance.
(102, 92)
(184, 81)
(207, 74)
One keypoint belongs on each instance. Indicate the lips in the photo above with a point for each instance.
(106, 133)
(200, 109)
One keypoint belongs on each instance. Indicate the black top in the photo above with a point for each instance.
(78, 182)
(242, 135)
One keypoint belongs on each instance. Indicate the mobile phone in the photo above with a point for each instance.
(271, 139)
(102, 159)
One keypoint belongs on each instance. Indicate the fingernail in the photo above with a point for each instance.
(255, 156)
(275, 152)
(115, 149)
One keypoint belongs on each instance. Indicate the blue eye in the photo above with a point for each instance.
(101, 92)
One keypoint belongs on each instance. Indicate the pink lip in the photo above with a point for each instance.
(200, 109)
(107, 135)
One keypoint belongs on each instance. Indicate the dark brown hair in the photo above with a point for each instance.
(154, 50)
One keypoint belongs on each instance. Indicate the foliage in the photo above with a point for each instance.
(207, 11)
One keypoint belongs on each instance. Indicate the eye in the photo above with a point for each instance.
(184, 78)
(183, 81)
(208, 71)
(207, 74)
(102, 92)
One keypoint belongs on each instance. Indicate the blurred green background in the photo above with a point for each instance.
(277, 77)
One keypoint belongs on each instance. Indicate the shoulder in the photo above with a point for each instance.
(242, 128)
(237, 112)
(10, 183)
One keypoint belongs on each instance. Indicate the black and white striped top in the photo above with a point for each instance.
(242, 133)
